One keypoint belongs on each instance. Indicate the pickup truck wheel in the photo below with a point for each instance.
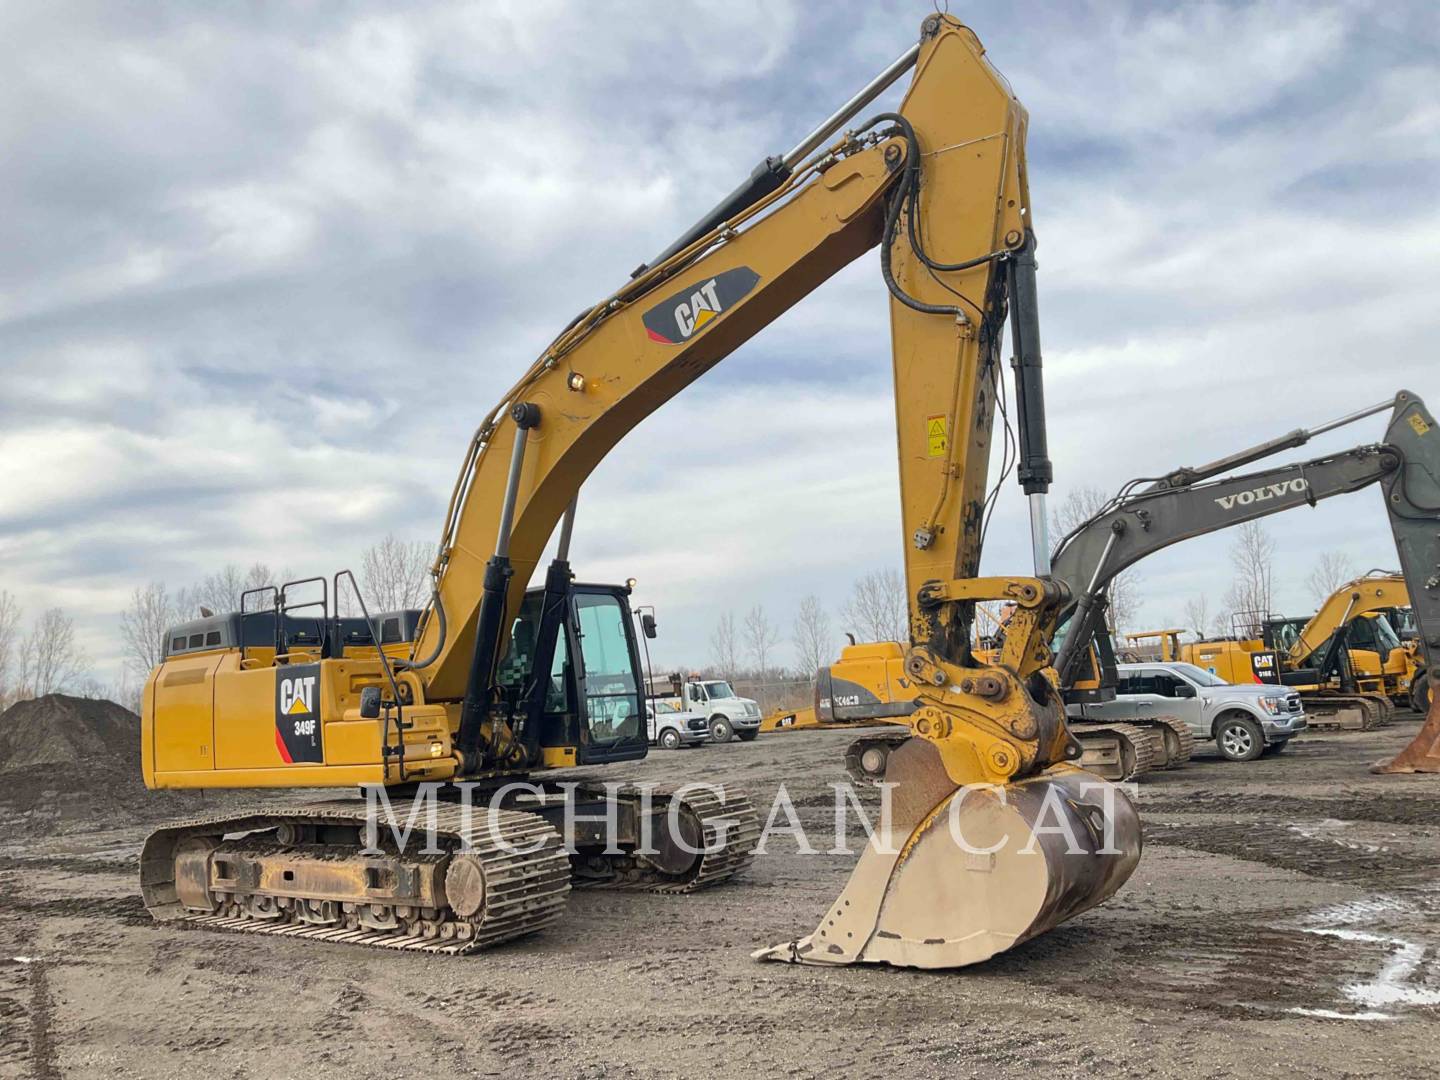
(748, 736)
(720, 729)
(670, 739)
(1239, 737)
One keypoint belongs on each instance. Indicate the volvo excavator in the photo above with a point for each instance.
(495, 682)
(868, 685)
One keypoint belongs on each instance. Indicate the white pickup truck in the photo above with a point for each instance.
(730, 716)
(672, 727)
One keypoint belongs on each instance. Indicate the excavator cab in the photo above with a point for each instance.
(585, 704)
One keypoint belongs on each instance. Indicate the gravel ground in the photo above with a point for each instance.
(1282, 923)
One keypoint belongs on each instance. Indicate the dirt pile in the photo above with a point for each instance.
(65, 758)
(62, 730)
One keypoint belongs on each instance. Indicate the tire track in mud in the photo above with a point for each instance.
(127, 909)
(42, 1047)
(1385, 809)
(1286, 848)
(72, 864)
(26, 1040)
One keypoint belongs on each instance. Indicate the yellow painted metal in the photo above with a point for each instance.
(1360, 598)
(218, 728)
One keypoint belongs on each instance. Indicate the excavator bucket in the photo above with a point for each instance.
(1423, 753)
(965, 873)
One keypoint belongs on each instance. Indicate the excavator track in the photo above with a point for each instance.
(1178, 738)
(1347, 712)
(727, 823)
(1118, 752)
(519, 891)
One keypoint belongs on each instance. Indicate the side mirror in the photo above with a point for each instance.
(370, 702)
(1185, 690)
(647, 625)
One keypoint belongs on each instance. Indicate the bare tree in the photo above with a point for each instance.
(220, 592)
(811, 636)
(1252, 559)
(1078, 507)
(143, 625)
(725, 646)
(53, 660)
(760, 639)
(1333, 570)
(1197, 614)
(395, 574)
(10, 652)
(260, 576)
(877, 608)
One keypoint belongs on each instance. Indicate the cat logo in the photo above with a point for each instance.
(297, 695)
(298, 730)
(680, 317)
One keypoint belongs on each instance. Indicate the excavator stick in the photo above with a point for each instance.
(965, 873)
(1423, 753)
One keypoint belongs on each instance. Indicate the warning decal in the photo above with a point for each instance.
(1418, 423)
(937, 436)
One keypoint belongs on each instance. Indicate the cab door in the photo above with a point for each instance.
(607, 677)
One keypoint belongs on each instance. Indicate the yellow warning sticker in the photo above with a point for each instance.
(937, 435)
(1418, 423)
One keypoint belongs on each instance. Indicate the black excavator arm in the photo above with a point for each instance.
(1189, 502)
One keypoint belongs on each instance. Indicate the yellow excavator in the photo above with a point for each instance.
(496, 683)
(1346, 660)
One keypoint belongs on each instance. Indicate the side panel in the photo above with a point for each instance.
(183, 730)
(245, 731)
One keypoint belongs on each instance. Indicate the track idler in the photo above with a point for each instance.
(965, 873)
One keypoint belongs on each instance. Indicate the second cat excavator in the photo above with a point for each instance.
(1348, 667)
(503, 689)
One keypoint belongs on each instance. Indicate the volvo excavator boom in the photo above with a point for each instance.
(1190, 502)
(502, 681)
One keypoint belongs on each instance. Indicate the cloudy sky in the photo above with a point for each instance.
(263, 266)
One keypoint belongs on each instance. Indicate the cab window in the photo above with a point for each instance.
(1153, 682)
(612, 699)
(515, 668)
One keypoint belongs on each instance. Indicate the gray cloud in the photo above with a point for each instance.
(263, 267)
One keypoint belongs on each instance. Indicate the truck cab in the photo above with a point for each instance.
(730, 715)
